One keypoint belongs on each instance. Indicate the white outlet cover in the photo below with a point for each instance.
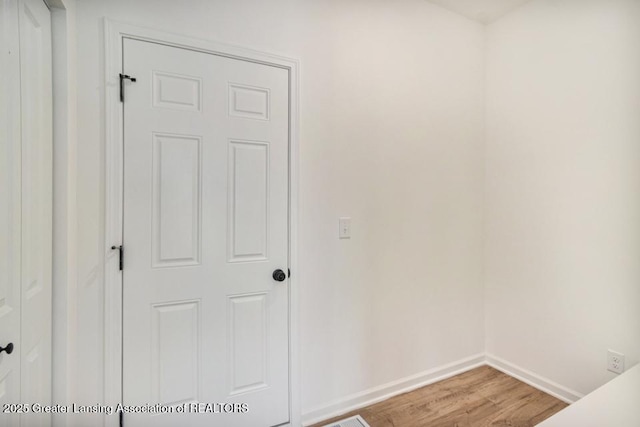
(615, 362)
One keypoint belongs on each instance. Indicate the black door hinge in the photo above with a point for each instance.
(121, 415)
(120, 255)
(122, 79)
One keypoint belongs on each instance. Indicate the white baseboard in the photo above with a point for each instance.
(394, 388)
(543, 384)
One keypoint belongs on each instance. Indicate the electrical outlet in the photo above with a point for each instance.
(615, 362)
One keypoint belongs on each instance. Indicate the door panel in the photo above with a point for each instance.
(248, 203)
(205, 225)
(248, 340)
(176, 200)
(175, 344)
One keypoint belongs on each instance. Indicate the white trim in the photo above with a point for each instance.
(114, 34)
(394, 388)
(534, 380)
(64, 295)
(113, 222)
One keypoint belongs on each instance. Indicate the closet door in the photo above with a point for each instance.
(10, 209)
(25, 210)
(35, 85)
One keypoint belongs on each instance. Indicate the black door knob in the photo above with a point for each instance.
(8, 348)
(279, 276)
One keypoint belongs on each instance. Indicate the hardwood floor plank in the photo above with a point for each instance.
(482, 397)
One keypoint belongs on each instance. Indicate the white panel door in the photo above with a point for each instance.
(10, 210)
(25, 286)
(35, 86)
(205, 227)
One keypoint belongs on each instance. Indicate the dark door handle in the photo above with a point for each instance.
(8, 348)
(279, 275)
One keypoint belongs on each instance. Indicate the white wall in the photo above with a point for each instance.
(562, 188)
(392, 116)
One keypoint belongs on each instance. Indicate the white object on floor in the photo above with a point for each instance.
(355, 421)
(613, 404)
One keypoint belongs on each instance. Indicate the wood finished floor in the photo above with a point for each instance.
(477, 398)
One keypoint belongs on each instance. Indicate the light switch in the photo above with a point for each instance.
(345, 228)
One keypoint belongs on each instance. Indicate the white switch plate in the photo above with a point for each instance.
(615, 362)
(344, 231)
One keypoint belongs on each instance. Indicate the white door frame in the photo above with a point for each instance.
(115, 32)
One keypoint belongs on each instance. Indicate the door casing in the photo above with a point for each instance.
(115, 32)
